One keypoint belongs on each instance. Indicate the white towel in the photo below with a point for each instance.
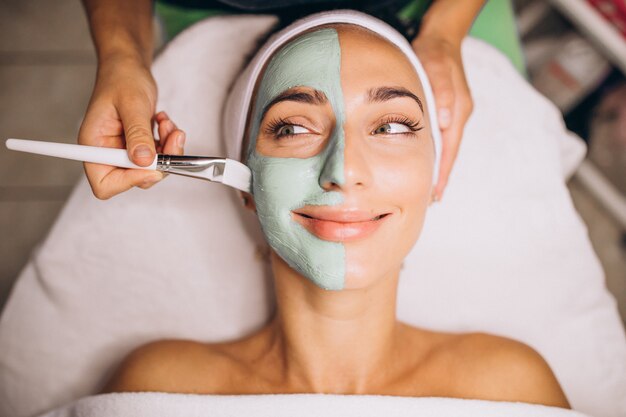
(154, 404)
(504, 252)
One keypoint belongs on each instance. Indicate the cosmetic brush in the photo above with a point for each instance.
(226, 171)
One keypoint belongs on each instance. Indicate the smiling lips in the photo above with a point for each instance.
(339, 225)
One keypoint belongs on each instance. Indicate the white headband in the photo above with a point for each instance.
(238, 102)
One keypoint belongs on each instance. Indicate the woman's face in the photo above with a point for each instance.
(341, 155)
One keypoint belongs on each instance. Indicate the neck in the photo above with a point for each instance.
(333, 341)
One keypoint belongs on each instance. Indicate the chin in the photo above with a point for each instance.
(370, 262)
(365, 274)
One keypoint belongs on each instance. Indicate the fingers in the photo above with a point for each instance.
(102, 127)
(438, 59)
(453, 134)
(108, 181)
(122, 179)
(443, 64)
(172, 138)
(136, 114)
(119, 115)
(440, 78)
(175, 143)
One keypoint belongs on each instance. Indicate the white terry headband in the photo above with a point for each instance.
(238, 102)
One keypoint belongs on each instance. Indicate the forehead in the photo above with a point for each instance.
(312, 59)
(350, 52)
(369, 60)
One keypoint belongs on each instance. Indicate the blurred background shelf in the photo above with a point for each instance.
(591, 23)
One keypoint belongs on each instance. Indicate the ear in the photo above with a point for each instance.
(248, 201)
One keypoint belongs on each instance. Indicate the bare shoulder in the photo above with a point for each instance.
(498, 368)
(168, 366)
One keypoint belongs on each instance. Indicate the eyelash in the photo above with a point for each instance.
(411, 124)
(275, 125)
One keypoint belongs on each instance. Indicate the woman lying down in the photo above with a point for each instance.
(343, 146)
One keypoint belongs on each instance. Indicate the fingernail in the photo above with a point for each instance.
(142, 151)
(181, 139)
(444, 117)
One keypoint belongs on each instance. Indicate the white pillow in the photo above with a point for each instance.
(505, 252)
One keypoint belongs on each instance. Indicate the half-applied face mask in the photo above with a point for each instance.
(280, 185)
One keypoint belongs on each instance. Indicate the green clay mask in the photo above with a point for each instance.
(281, 185)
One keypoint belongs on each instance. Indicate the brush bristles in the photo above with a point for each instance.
(237, 175)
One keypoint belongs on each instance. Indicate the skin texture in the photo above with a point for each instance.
(349, 341)
(283, 184)
(295, 174)
(122, 106)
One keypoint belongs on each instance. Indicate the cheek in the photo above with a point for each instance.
(402, 185)
(281, 185)
(407, 182)
(405, 176)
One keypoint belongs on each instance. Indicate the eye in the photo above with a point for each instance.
(281, 128)
(398, 126)
(290, 130)
(390, 127)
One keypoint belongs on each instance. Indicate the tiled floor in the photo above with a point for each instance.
(47, 68)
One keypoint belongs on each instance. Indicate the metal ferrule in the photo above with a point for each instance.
(205, 167)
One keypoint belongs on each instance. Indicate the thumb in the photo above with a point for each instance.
(136, 118)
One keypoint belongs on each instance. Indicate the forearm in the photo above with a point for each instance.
(450, 19)
(121, 29)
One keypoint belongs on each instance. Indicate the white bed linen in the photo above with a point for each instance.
(505, 252)
(297, 405)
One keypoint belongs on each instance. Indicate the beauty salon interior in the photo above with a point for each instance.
(484, 276)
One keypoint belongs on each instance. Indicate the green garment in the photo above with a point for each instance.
(495, 24)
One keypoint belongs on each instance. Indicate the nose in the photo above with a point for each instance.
(331, 175)
(346, 164)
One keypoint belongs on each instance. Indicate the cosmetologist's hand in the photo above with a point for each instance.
(120, 115)
(442, 62)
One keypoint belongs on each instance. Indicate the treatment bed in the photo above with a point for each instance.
(505, 252)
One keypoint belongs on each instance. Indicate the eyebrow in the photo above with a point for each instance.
(381, 94)
(318, 98)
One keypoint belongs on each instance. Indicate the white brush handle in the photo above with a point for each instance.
(95, 154)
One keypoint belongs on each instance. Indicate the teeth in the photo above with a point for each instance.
(375, 218)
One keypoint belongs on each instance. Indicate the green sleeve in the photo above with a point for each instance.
(495, 24)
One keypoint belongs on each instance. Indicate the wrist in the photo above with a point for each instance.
(450, 20)
(126, 53)
(120, 69)
(433, 27)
